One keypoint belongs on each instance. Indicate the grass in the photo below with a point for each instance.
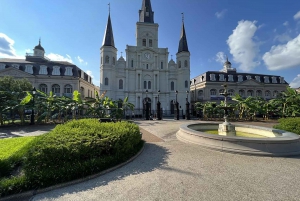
(238, 134)
(13, 146)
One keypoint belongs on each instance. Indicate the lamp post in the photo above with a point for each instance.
(32, 110)
(147, 107)
(176, 116)
(187, 110)
(158, 107)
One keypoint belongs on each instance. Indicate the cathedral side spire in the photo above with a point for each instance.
(108, 39)
(183, 46)
(146, 13)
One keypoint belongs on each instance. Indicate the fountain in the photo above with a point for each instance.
(275, 142)
(226, 128)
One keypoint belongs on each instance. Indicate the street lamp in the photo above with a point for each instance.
(158, 110)
(147, 107)
(32, 111)
(176, 116)
(187, 111)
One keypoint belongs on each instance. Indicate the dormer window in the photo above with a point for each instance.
(43, 70)
(17, 66)
(257, 78)
(28, 69)
(212, 77)
(281, 80)
(230, 78)
(221, 77)
(266, 79)
(144, 42)
(56, 70)
(248, 77)
(274, 80)
(240, 78)
(2, 66)
(69, 71)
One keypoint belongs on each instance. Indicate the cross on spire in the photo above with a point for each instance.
(108, 8)
(182, 17)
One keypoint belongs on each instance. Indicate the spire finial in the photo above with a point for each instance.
(108, 8)
(40, 41)
(182, 17)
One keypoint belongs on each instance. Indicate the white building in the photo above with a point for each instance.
(146, 67)
(60, 77)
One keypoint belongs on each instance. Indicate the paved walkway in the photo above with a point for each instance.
(169, 169)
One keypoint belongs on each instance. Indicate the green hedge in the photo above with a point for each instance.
(74, 150)
(289, 124)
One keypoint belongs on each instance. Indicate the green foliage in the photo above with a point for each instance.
(289, 124)
(12, 151)
(79, 148)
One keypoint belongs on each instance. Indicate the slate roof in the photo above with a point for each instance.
(183, 46)
(146, 7)
(108, 39)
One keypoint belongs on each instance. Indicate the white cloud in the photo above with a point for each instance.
(221, 14)
(57, 57)
(297, 15)
(28, 50)
(282, 38)
(90, 73)
(79, 59)
(6, 46)
(221, 57)
(283, 56)
(296, 82)
(242, 46)
(286, 23)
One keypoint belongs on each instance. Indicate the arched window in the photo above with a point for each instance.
(150, 42)
(132, 63)
(267, 93)
(200, 93)
(106, 81)
(185, 63)
(259, 93)
(172, 86)
(250, 93)
(231, 92)
(221, 91)
(275, 93)
(242, 93)
(68, 89)
(186, 85)
(107, 59)
(114, 61)
(101, 60)
(120, 84)
(56, 89)
(144, 42)
(147, 66)
(161, 65)
(213, 92)
(43, 88)
(149, 84)
(179, 64)
(145, 84)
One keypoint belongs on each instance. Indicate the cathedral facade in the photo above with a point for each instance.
(146, 73)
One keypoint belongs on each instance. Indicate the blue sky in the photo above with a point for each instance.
(258, 36)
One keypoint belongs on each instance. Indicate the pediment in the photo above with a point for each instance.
(11, 71)
(250, 82)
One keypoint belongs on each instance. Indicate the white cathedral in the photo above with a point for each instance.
(146, 72)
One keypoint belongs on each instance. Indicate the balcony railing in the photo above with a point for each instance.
(32, 55)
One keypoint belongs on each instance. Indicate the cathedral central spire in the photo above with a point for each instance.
(108, 39)
(146, 13)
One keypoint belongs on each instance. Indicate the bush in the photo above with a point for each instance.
(79, 148)
(289, 124)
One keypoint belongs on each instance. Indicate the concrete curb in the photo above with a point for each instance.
(27, 195)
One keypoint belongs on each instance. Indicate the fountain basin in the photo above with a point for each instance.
(277, 143)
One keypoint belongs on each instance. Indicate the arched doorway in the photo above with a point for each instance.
(172, 106)
(144, 105)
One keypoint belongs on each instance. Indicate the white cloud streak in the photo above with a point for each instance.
(286, 23)
(283, 56)
(221, 57)
(6, 46)
(242, 46)
(221, 14)
(297, 16)
(296, 82)
(57, 57)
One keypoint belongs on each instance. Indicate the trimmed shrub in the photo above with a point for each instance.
(79, 148)
(289, 124)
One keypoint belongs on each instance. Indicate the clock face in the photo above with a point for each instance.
(147, 55)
